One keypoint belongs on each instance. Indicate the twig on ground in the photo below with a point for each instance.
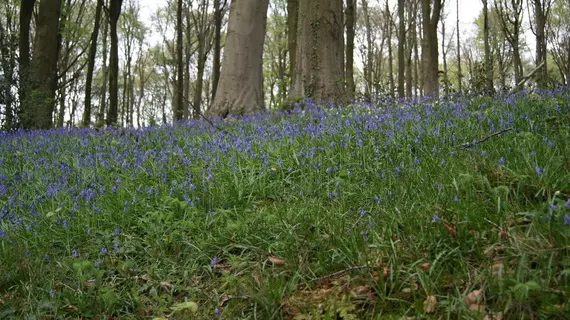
(474, 143)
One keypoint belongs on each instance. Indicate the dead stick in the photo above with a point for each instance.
(471, 144)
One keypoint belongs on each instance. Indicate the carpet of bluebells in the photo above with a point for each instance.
(397, 208)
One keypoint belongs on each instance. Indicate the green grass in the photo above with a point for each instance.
(389, 210)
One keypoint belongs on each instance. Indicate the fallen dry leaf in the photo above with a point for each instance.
(224, 301)
(450, 228)
(477, 307)
(276, 261)
(429, 304)
(165, 285)
(424, 266)
(475, 297)
(494, 316)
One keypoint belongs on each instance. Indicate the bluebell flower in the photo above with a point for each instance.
(213, 261)
(567, 205)
(103, 251)
(74, 253)
(566, 219)
(434, 218)
(501, 161)
(538, 170)
(364, 236)
(117, 232)
(52, 293)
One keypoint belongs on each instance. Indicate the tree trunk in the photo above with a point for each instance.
(541, 11)
(103, 99)
(114, 13)
(368, 75)
(240, 87)
(350, 21)
(430, 20)
(444, 56)
(292, 23)
(179, 107)
(26, 12)
(320, 54)
(488, 62)
(459, 74)
(510, 14)
(7, 53)
(39, 113)
(91, 65)
(197, 101)
(409, 47)
(401, 48)
(217, 46)
(388, 30)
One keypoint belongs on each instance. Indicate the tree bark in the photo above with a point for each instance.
(179, 106)
(510, 13)
(319, 71)
(292, 23)
(541, 13)
(217, 46)
(401, 48)
(41, 102)
(368, 75)
(114, 13)
(240, 87)
(488, 62)
(350, 21)
(103, 99)
(91, 65)
(459, 74)
(388, 30)
(430, 20)
(26, 12)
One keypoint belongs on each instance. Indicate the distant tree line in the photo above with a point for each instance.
(96, 63)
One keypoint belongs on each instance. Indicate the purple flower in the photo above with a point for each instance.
(501, 161)
(115, 246)
(538, 170)
(46, 257)
(104, 251)
(213, 261)
(434, 218)
(218, 312)
(52, 293)
(566, 220)
(364, 236)
(567, 205)
(74, 253)
(117, 232)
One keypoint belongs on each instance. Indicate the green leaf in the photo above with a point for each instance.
(185, 306)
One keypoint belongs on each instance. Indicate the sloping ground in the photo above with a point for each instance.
(414, 209)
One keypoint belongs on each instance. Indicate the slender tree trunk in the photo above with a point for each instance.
(199, 80)
(541, 12)
(114, 13)
(409, 48)
(368, 75)
(401, 48)
(217, 46)
(91, 65)
(459, 74)
(8, 71)
(179, 106)
(62, 102)
(430, 20)
(292, 23)
(103, 101)
(26, 12)
(388, 29)
(240, 87)
(444, 56)
(44, 65)
(488, 63)
(350, 21)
